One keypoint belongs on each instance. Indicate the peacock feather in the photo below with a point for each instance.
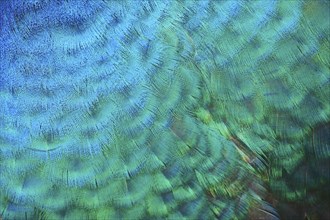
(164, 109)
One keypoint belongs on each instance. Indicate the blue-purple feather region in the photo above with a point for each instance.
(164, 109)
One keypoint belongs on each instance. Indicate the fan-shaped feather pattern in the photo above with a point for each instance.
(135, 110)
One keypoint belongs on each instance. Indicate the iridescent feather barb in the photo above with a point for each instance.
(150, 109)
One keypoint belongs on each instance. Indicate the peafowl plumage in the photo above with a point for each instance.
(164, 109)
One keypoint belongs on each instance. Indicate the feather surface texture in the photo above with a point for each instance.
(164, 109)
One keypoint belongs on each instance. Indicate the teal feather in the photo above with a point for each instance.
(183, 110)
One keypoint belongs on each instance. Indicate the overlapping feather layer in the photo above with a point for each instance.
(138, 110)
